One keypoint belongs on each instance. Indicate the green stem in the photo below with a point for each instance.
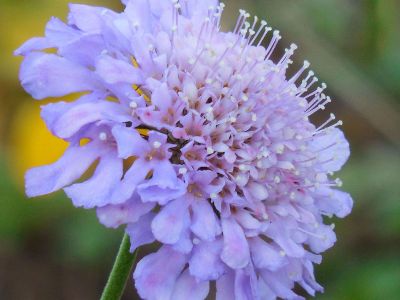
(120, 272)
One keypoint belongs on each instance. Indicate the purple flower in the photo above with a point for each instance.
(199, 141)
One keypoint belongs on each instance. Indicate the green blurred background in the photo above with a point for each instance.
(49, 250)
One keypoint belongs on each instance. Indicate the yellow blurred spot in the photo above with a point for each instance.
(134, 62)
(144, 132)
(112, 99)
(141, 93)
(129, 162)
(84, 141)
(137, 88)
(32, 144)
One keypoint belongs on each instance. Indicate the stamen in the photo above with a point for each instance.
(288, 53)
(305, 86)
(103, 136)
(318, 91)
(219, 14)
(266, 30)
(156, 145)
(133, 105)
(263, 24)
(182, 171)
(243, 17)
(242, 167)
(339, 182)
(199, 38)
(305, 66)
(331, 118)
(272, 45)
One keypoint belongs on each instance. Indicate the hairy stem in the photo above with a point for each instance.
(120, 272)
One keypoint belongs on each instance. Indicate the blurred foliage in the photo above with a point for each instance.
(71, 253)
(366, 31)
(365, 263)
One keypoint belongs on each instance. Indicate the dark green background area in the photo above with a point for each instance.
(50, 250)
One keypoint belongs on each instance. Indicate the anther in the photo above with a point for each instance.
(182, 171)
(242, 167)
(280, 148)
(103, 136)
(156, 145)
(338, 182)
(133, 104)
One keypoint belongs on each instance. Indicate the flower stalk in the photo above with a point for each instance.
(120, 272)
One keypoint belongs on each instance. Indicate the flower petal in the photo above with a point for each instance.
(200, 8)
(164, 186)
(47, 179)
(161, 97)
(83, 50)
(333, 150)
(236, 253)
(258, 191)
(47, 75)
(140, 232)
(126, 187)
(205, 263)
(139, 11)
(81, 114)
(185, 242)
(245, 284)
(226, 287)
(169, 223)
(129, 212)
(52, 112)
(187, 287)
(34, 44)
(97, 190)
(246, 220)
(281, 232)
(322, 239)
(87, 18)
(156, 274)
(204, 221)
(334, 202)
(129, 142)
(308, 280)
(113, 70)
(280, 284)
(59, 33)
(265, 255)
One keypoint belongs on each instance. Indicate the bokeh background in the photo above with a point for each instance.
(49, 250)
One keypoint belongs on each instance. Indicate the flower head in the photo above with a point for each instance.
(200, 140)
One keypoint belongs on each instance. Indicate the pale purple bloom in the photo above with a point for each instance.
(200, 141)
